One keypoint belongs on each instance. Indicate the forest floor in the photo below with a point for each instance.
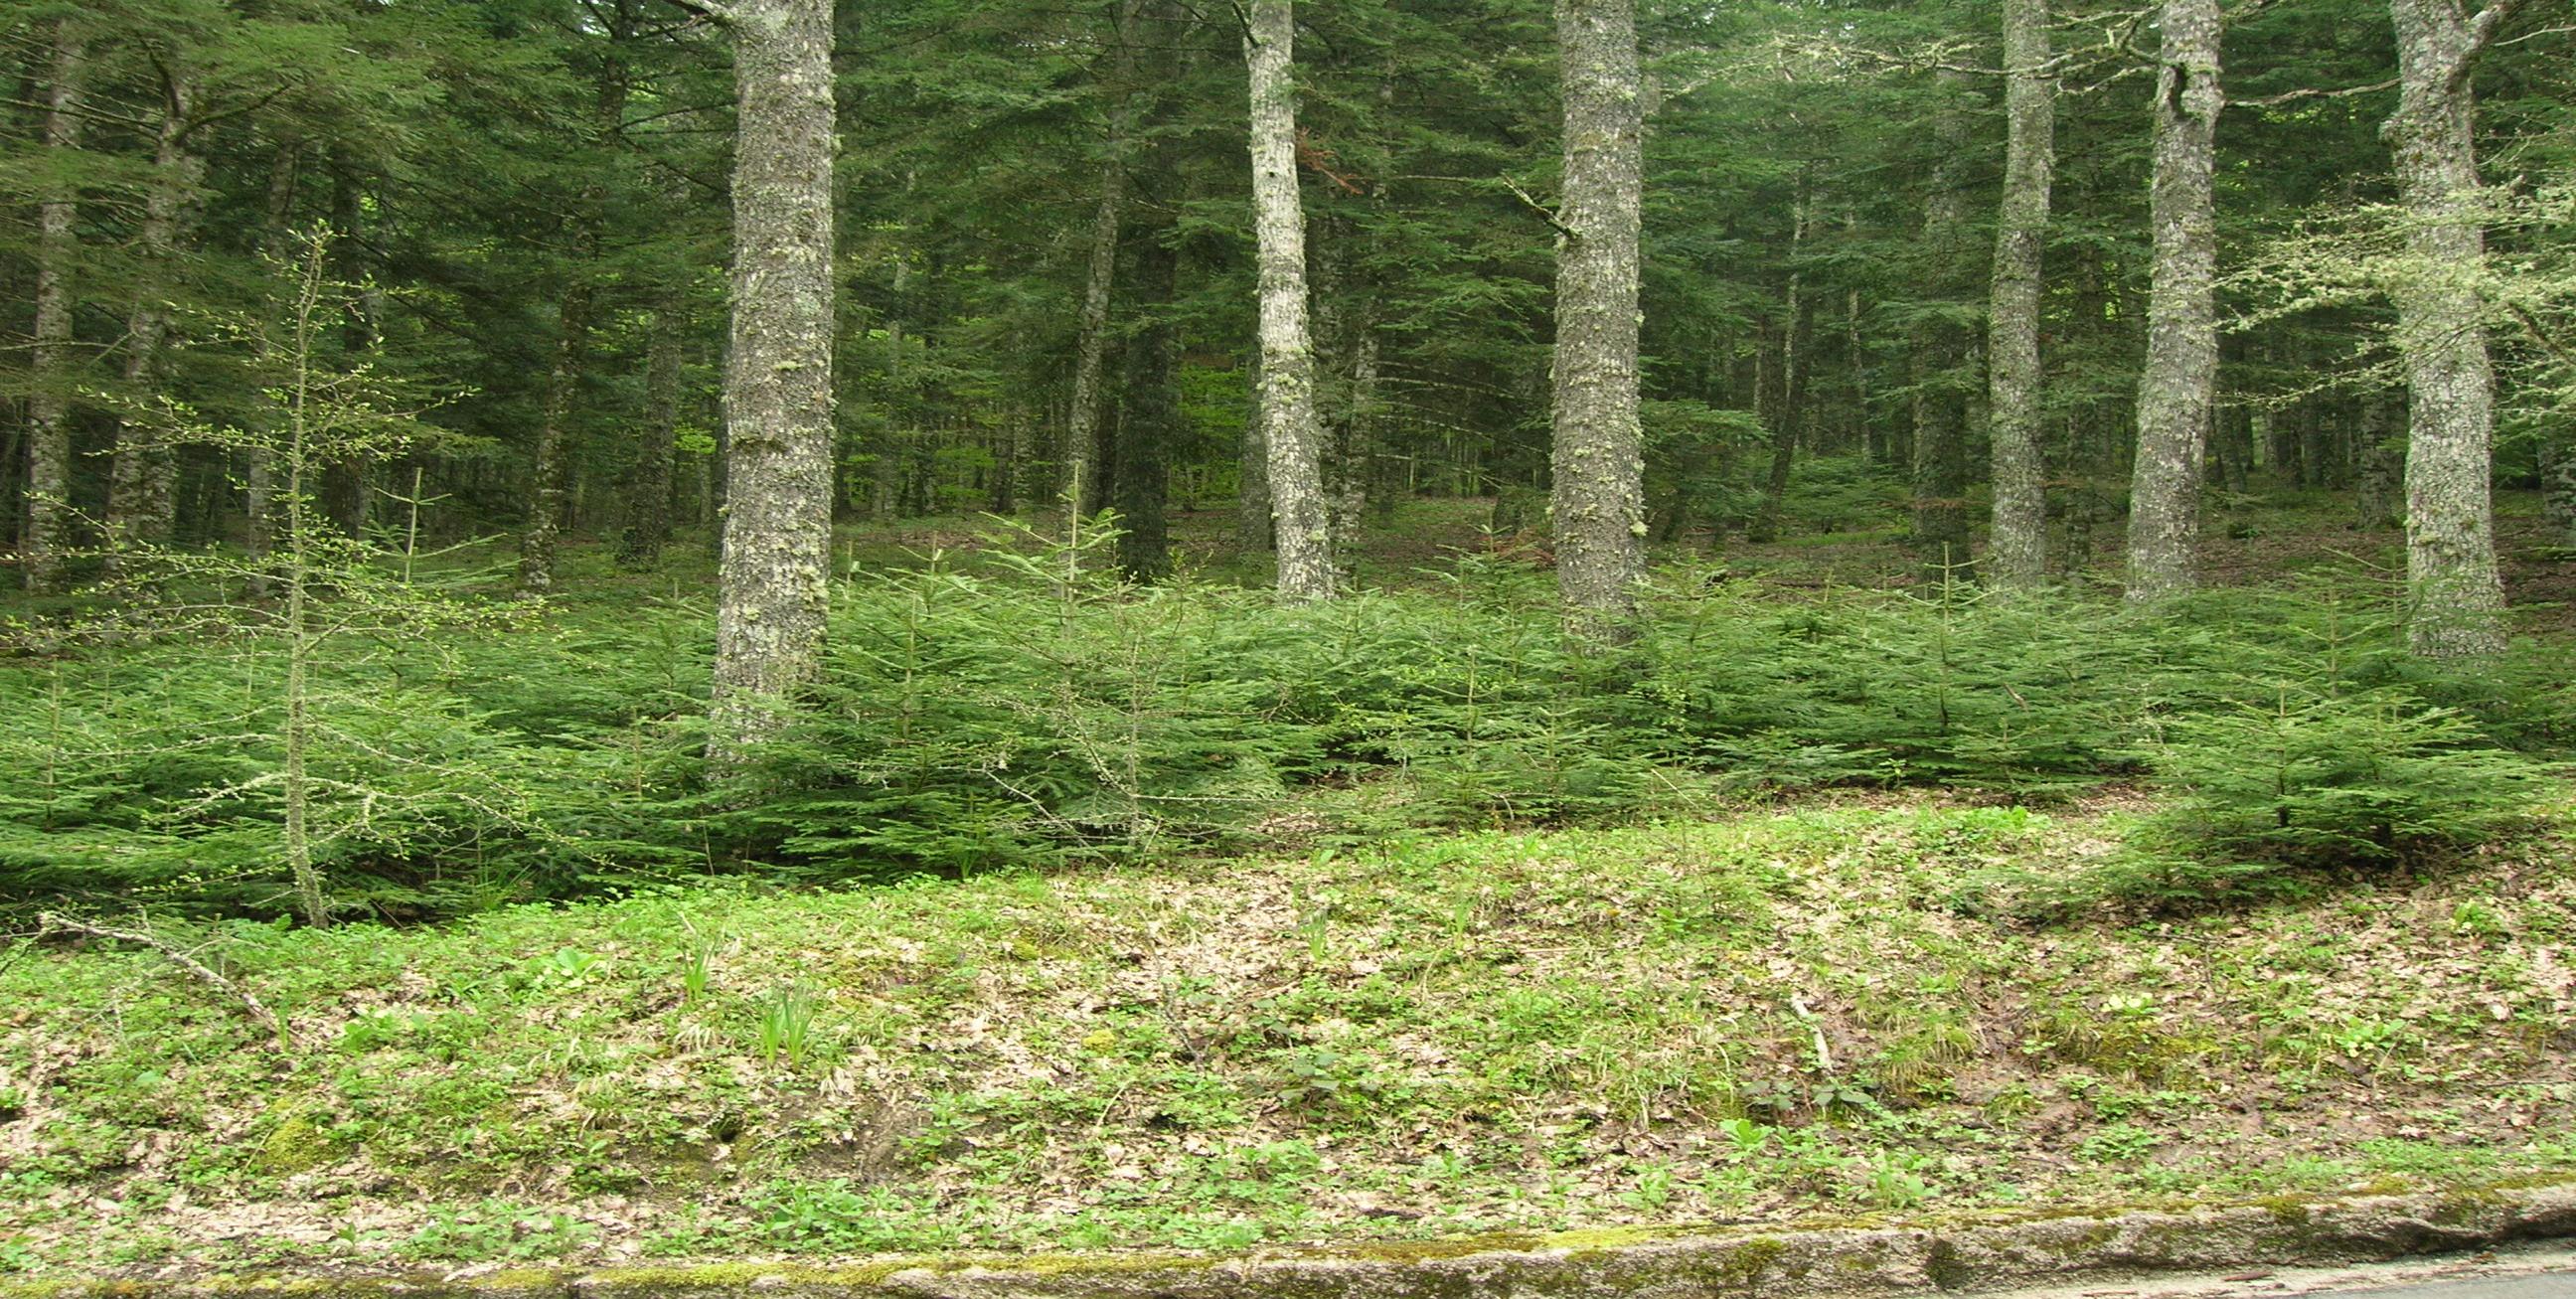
(1742, 1013)
(1768, 1014)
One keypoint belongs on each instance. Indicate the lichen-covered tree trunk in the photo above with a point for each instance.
(142, 495)
(778, 371)
(1290, 429)
(2455, 592)
(2017, 545)
(2177, 390)
(49, 444)
(1597, 454)
(1942, 353)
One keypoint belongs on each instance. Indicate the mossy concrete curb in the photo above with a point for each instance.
(1891, 1259)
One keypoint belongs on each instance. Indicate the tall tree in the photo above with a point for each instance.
(2017, 545)
(49, 435)
(1597, 453)
(142, 484)
(2177, 391)
(1289, 426)
(2455, 594)
(778, 369)
(1091, 344)
(1944, 353)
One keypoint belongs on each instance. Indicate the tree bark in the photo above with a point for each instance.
(1290, 430)
(1082, 420)
(1149, 420)
(1789, 408)
(1597, 451)
(2558, 487)
(258, 494)
(2177, 390)
(2017, 545)
(2455, 591)
(49, 445)
(774, 580)
(1253, 528)
(648, 492)
(2383, 467)
(1939, 455)
(142, 499)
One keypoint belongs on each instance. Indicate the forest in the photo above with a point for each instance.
(743, 629)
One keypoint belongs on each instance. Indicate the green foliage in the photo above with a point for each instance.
(1016, 709)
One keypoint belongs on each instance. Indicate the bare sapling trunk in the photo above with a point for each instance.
(774, 579)
(2017, 544)
(2177, 391)
(49, 444)
(1291, 432)
(2455, 592)
(1597, 452)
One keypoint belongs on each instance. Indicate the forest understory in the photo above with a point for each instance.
(1558, 974)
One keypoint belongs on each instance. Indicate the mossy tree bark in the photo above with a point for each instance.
(1597, 454)
(49, 438)
(1291, 431)
(2017, 544)
(2177, 390)
(778, 371)
(2455, 592)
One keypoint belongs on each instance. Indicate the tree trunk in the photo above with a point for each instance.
(1789, 408)
(2177, 390)
(1942, 357)
(142, 499)
(1082, 420)
(1149, 420)
(2383, 467)
(1597, 451)
(774, 580)
(549, 470)
(49, 438)
(1253, 528)
(258, 467)
(1290, 429)
(2017, 547)
(2558, 487)
(2455, 592)
(648, 492)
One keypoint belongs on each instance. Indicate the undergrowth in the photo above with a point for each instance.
(1026, 711)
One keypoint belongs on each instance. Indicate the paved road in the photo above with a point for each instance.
(2556, 1285)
